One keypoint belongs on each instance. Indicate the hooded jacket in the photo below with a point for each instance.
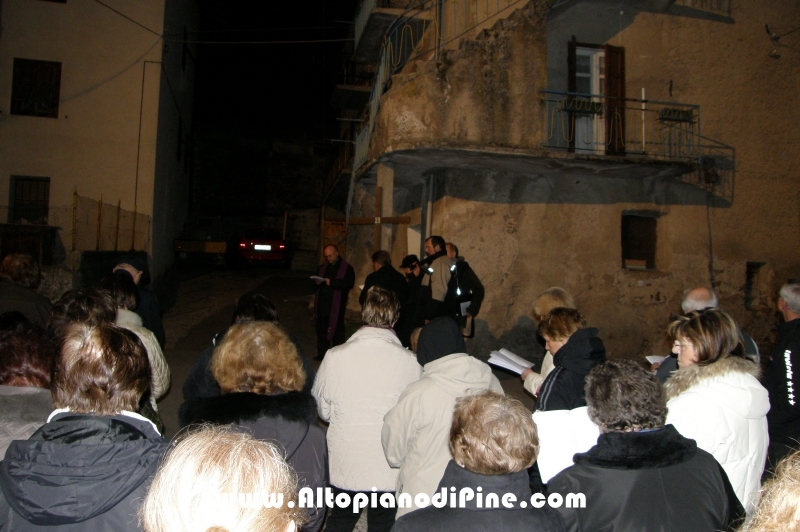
(655, 480)
(479, 518)
(79, 473)
(416, 432)
(724, 408)
(563, 387)
(159, 369)
(286, 419)
(357, 383)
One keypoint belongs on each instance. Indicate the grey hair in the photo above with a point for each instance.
(790, 292)
(691, 302)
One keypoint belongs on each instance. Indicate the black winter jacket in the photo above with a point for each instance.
(79, 473)
(474, 518)
(656, 480)
(563, 387)
(287, 420)
(390, 279)
(782, 381)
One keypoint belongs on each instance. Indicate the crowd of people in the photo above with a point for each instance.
(398, 419)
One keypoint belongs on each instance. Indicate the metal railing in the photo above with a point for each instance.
(592, 124)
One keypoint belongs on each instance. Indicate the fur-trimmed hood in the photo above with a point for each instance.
(685, 378)
(662, 447)
(241, 408)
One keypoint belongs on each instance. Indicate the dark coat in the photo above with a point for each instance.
(471, 289)
(325, 292)
(782, 381)
(563, 387)
(474, 518)
(655, 481)
(389, 278)
(287, 420)
(34, 306)
(43, 488)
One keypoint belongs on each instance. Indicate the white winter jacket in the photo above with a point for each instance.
(724, 408)
(416, 432)
(160, 375)
(357, 383)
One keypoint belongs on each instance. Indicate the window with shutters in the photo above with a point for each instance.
(596, 81)
(35, 88)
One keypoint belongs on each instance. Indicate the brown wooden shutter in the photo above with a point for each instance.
(615, 99)
(572, 86)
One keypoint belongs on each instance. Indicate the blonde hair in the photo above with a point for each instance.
(493, 434)
(206, 474)
(779, 507)
(551, 298)
(381, 308)
(561, 323)
(257, 357)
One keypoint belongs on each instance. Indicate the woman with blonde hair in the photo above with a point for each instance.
(262, 381)
(206, 479)
(715, 397)
(553, 297)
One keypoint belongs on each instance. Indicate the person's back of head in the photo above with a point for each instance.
(20, 269)
(553, 297)
(382, 258)
(90, 307)
(26, 357)
(206, 477)
(698, 299)
(713, 334)
(623, 397)
(779, 506)
(381, 308)
(790, 293)
(101, 369)
(437, 242)
(439, 338)
(122, 289)
(493, 434)
(561, 323)
(254, 307)
(257, 357)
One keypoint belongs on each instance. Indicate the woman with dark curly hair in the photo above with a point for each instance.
(262, 380)
(715, 397)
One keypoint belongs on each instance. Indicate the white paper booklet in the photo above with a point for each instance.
(508, 360)
(562, 433)
(655, 359)
(317, 279)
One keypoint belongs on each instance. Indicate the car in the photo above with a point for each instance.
(263, 244)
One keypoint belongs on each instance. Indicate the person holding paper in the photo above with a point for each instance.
(551, 298)
(576, 350)
(331, 300)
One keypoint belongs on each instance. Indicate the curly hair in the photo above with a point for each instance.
(712, 332)
(200, 482)
(779, 507)
(560, 323)
(623, 397)
(26, 356)
(551, 298)
(20, 269)
(257, 357)
(492, 434)
(101, 369)
(381, 308)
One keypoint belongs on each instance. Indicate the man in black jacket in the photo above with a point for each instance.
(641, 475)
(464, 292)
(782, 378)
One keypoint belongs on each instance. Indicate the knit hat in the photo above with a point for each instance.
(439, 338)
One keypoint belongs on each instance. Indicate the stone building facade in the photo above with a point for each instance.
(625, 151)
(95, 122)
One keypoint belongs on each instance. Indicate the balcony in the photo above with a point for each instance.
(354, 91)
(374, 20)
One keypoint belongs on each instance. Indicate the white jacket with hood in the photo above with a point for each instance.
(724, 408)
(416, 432)
(357, 383)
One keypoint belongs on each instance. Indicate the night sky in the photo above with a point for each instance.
(282, 90)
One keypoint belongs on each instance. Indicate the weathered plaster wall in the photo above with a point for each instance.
(484, 94)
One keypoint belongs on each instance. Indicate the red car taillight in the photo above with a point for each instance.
(281, 246)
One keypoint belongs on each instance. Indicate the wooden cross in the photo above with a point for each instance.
(378, 220)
